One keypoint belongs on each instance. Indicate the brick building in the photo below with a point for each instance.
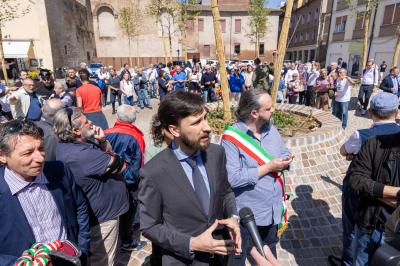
(309, 30)
(346, 33)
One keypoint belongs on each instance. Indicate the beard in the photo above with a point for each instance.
(88, 133)
(196, 144)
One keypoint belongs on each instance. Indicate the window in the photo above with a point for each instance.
(261, 49)
(237, 49)
(106, 22)
(189, 25)
(301, 37)
(306, 36)
(223, 25)
(340, 24)
(201, 24)
(65, 50)
(206, 50)
(392, 14)
(238, 25)
(316, 14)
(360, 21)
(302, 19)
(295, 38)
(313, 37)
(309, 17)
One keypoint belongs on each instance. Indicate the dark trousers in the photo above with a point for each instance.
(311, 95)
(292, 99)
(302, 96)
(115, 96)
(349, 207)
(268, 237)
(104, 94)
(130, 222)
(364, 94)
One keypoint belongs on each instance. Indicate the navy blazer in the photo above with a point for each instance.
(16, 234)
(387, 83)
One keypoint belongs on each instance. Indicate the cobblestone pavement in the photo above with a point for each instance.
(296, 246)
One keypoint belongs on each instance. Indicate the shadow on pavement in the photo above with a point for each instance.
(313, 233)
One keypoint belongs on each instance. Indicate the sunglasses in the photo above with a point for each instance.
(16, 125)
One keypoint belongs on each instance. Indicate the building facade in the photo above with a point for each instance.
(54, 34)
(309, 30)
(151, 45)
(347, 29)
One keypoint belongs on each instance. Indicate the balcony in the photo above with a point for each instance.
(388, 30)
(358, 33)
(338, 36)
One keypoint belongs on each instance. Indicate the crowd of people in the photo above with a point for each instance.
(66, 175)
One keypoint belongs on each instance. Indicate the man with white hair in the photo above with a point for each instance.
(123, 140)
(60, 92)
(25, 103)
(49, 109)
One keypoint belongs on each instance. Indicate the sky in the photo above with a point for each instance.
(274, 3)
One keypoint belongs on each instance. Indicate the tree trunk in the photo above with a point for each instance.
(366, 33)
(396, 49)
(137, 50)
(219, 43)
(129, 52)
(281, 50)
(3, 62)
(257, 47)
(184, 46)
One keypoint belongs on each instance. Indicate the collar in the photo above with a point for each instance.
(182, 155)
(17, 184)
(129, 126)
(264, 130)
(384, 122)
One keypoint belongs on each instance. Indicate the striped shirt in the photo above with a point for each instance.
(38, 205)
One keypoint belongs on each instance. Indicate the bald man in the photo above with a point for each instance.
(49, 109)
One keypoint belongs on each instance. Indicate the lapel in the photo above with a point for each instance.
(20, 221)
(178, 176)
(56, 189)
(211, 174)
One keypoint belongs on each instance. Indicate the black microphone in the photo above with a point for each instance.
(247, 221)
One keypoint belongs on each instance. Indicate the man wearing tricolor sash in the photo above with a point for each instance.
(256, 156)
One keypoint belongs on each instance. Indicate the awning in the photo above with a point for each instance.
(16, 49)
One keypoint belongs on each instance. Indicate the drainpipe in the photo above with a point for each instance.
(230, 40)
(372, 31)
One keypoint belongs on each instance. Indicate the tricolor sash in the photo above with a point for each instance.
(255, 151)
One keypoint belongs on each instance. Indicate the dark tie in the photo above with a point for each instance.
(199, 184)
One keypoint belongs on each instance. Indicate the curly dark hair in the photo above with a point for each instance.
(12, 130)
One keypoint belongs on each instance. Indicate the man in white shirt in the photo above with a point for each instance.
(369, 79)
(290, 72)
(152, 77)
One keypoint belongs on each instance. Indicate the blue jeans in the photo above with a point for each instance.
(268, 237)
(365, 245)
(364, 94)
(152, 88)
(349, 207)
(143, 98)
(341, 111)
(128, 100)
(205, 95)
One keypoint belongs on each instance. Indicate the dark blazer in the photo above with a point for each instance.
(387, 83)
(170, 213)
(15, 233)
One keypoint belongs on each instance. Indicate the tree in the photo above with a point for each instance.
(187, 13)
(165, 12)
(10, 10)
(370, 6)
(219, 43)
(396, 48)
(258, 22)
(278, 62)
(130, 21)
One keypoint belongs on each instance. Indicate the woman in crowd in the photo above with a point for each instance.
(127, 88)
(322, 86)
(312, 76)
(163, 86)
(114, 84)
(194, 81)
(294, 87)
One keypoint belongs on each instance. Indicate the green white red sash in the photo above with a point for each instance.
(255, 151)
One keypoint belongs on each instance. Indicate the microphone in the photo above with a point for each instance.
(247, 221)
